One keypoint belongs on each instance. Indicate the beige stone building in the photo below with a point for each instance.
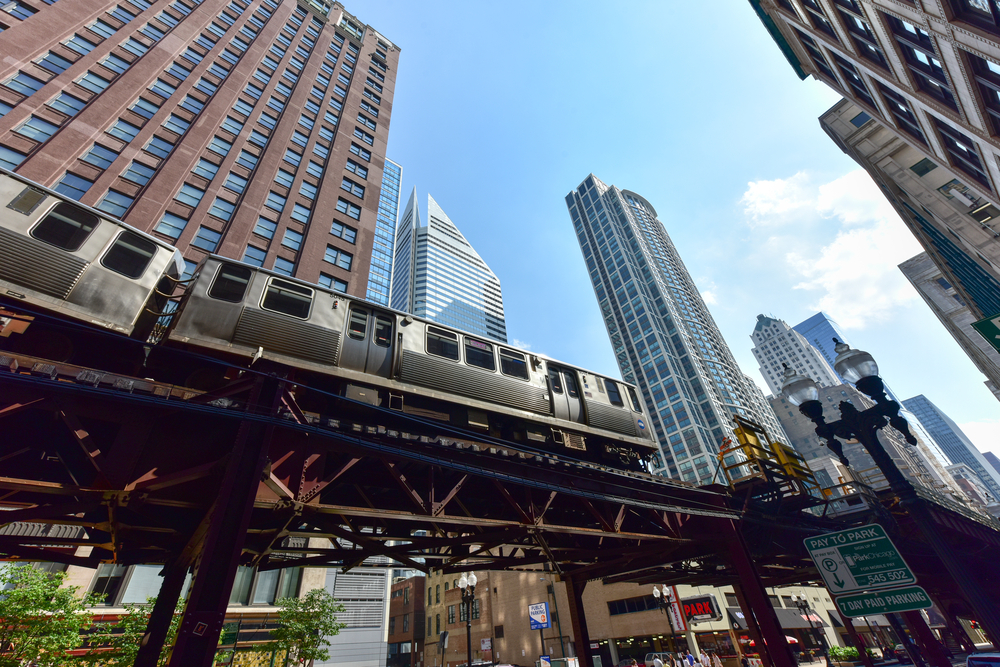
(623, 621)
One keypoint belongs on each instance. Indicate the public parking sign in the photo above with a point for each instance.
(858, 559)
(884, 602)
(538, 615)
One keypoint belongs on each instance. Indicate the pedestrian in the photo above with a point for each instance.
(690, 659)
(716, 662)
(744, 662)
(656, 660)
(705, 660)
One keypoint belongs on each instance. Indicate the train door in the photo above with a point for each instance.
(368, 344)
(565, 394)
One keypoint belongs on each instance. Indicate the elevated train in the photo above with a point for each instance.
(77, 262)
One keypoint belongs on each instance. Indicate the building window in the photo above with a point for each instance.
(220, 146)
(819, 20)
(37, 129)
(451, 613)
(918, 51)
(159, 147)
(284, 178)
(283, 266)
(235, 182)
(350, 186)
(207, 239)
(980, 13)
(73, 186)
(864, 39)
(190, 195)
(347, 208)
(816, 54)
(292, 239)
(349, 234)
(265, 227)
(300, 213)
(222, 209)
(343, 260)
(108, 582)
(962, 153)
(115, 203)
(171, 225)
(901, 112)
(67, 104)
(254, 256)
(987, 76)
(275, 202)
(206, 169)
(340, 286)
(100, 156)
(855, 82)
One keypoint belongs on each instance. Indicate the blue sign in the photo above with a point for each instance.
(538, 615)
(544, 661)
(642, 426)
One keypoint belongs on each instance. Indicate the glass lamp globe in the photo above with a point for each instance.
(666, 595)
(472, 579)
(463, 581)
(656, 592)
(853, 365)
(798, 388)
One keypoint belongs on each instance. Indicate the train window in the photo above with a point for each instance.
(555, 380)
(130, 255)
(636, 405)
(479, 354)
(571, 384)
(66, 227)
(358, 325)
(442, 343)
(231, 283)
(613, 394)
(27, 201)
(383, 331)
(513, 364)
(282, 296)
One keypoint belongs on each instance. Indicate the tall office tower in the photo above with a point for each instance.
(993, 460)
(953, 312)
(820, 330)
(662, 334)
(437, 274)
(252, 128)
(954, 442)
(776, 344)
(380, 275)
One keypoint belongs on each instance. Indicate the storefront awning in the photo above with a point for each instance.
(859, 622)
(789, 619)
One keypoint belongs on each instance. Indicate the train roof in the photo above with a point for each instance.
(99, 213)
(405, 314)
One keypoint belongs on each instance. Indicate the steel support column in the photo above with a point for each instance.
(752, 628)
(910, 648)
(162, 615)
(858, 644)
(775, 644)
(928, 642)
(578, 619)
(215, 570)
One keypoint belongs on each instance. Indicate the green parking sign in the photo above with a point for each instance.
(989, 329)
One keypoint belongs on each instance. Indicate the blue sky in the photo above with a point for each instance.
(500, 109)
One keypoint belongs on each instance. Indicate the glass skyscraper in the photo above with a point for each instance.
(953, 441)
(438, 275)
(663, 336)
(380, 273)
(820, 330)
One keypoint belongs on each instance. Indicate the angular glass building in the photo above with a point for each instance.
(663, 336)
(437, 274)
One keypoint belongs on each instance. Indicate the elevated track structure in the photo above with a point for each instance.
(232, 471)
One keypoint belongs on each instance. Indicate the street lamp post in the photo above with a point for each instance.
(803, 604)
(663, 603)
(467, 583)
(860, 369)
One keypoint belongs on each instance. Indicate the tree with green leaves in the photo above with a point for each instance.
(304, 626)
(124, 637)
(40, 619)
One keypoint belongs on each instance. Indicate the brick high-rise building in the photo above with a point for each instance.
(251, 128)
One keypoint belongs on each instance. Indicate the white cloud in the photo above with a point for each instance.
(709, 297)
(520, 344)
(984, 434)
(854, 274)
(774, 203)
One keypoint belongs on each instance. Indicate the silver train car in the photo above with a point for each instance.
(74, 260)
(392, 359)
